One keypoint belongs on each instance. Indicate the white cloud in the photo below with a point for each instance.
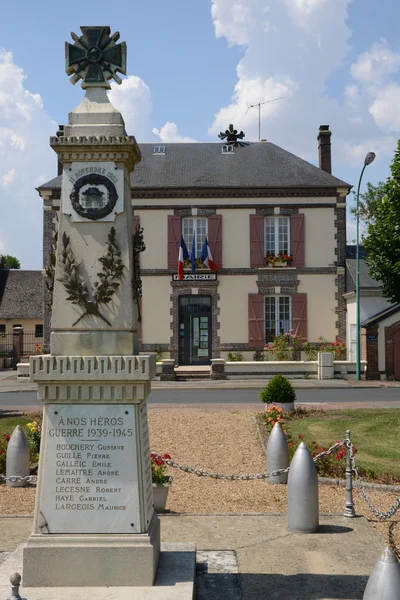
(169, 133)
(8, 178)
(374, 66)
(385, 108)
(133, 99)
(25, 129)
(291, 49)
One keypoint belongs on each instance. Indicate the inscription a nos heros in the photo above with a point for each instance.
(86, 469)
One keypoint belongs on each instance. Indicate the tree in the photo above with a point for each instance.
(368, 202)
(11, 262)
(383, 240)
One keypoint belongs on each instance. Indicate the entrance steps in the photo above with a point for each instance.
(192, 373)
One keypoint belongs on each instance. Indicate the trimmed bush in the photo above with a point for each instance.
(279, 389)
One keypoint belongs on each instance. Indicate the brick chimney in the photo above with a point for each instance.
(324, 148)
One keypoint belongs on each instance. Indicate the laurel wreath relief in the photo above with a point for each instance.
(110, 278)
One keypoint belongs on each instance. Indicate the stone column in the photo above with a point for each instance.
(94, 522)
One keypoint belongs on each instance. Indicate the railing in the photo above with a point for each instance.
(32, 343)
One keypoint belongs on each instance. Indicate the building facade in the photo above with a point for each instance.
(251, 201)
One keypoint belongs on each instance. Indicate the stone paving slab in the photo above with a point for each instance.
(272, 562)
(276, 564)
(174, 580)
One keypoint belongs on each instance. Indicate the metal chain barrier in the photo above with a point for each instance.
(204, 473)
(17, 478)
(199, 472)
(381, 515)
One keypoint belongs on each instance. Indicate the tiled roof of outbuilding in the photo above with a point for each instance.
(21, 294)
(257, 165)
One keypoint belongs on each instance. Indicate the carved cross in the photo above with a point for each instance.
(95, 57)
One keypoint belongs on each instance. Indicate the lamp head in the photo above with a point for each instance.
(369, 158)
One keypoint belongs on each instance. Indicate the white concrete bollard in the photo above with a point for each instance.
(277, 454)
(384, 581)
(17, 461)
(303, 510)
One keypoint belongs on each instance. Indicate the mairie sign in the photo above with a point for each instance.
(196, 277)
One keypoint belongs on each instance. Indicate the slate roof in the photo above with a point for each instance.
(21, 294)
(381, 315)
(365, 280)
(257, 165)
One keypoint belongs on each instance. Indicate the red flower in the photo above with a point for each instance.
(6, 437)
(167, 456)
(301, 437)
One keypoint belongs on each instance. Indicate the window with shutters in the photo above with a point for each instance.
(197, 226)
(278, 316)
(277, 235)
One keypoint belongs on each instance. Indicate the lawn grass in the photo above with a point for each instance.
(8, 424)
(374, 432)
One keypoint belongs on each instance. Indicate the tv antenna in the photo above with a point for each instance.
(249, 106)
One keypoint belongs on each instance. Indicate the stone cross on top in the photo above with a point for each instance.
(95, 57)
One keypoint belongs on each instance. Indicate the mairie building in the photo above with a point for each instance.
(254, 202)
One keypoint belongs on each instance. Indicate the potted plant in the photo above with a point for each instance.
(161, 481)
(278, 260)
(280, 392)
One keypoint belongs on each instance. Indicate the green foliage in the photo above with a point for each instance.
(310, 350)
(383, 240)
(11, 262)
(369, 202)
(235, 356)
(374, 433)
(279, 389)
(159, 353)
(282, 346)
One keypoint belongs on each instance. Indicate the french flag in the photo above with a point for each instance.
(206, 256)
(193, 254)
(183, 255)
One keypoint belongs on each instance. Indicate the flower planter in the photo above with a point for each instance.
(278, 263)
(160, 495)
(285, 406)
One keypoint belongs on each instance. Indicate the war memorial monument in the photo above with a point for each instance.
(94, 522)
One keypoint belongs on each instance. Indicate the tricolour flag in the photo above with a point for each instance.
(206, 256)
(183, 255)
(193, 253)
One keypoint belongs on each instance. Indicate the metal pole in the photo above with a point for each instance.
(259, 122)
(358, 329)
(15, 581)
(349, 510)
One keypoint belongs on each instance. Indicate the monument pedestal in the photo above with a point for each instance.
(92, 560)
(94, 523)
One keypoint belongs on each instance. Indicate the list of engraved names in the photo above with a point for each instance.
(90, 471)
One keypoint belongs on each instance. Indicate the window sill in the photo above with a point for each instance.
(267, 268)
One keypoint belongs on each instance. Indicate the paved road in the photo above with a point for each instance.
(380, 396)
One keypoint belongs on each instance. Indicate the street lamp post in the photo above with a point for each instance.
(367, 161)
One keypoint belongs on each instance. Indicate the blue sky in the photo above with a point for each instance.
(192, 67)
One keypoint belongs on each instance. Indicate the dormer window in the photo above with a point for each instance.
(227, 149)
(159, 150)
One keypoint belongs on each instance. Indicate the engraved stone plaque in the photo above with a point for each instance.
(89, 479)
(93, 192)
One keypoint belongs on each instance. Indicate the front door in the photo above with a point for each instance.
(194, 330)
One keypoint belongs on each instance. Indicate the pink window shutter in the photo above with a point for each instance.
(256, 321)
(299, 316)
(215, 238)
(135, 224)
(257, 258)
(297, 240)
(174, 240)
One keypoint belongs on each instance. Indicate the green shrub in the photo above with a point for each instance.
(235, 356)
(279, 389)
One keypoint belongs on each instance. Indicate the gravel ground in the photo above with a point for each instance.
(225, 441)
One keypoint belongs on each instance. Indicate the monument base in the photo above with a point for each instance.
(92, 560)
